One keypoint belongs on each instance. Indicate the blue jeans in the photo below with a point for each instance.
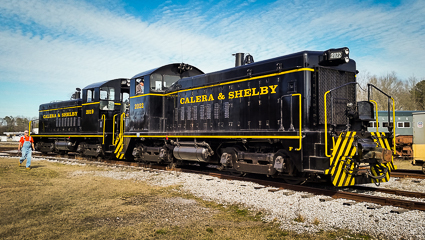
(26, 153)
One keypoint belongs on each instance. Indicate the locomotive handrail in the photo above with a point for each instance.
(376, 115)
(122, 123)
(393, 108)
(300, 120)
(300, 117)
(103, 135)
(326, 116)
(30, 124)
(113, 130)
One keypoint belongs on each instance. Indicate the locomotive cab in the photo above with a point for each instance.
(148, 109)
(102, 103)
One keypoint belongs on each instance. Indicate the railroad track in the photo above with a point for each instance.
(406, 173)
(8, 148)
(413, 205)
(358, 197)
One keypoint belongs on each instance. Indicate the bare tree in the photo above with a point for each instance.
(418, 95)
(399, 90)
(14, 124)
(10, 123)
(362, 80)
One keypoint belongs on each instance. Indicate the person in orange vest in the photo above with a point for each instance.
(26, 143)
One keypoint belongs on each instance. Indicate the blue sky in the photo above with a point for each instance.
(50, 47)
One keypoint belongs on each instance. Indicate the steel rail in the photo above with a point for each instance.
(407, 175)
(413, 205)
(390, 191)
(399, 173)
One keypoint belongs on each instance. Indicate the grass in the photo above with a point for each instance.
(300, 218)
(48, 202)
(161, 231)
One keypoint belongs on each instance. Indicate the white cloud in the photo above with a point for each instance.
(75, 43)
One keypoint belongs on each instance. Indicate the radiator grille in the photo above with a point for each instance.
(336, 101)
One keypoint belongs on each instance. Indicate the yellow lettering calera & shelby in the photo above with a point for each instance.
(52, 115)
(65, 114)
(253, 92)
(196, 99)
(234, 94)
(69, 114)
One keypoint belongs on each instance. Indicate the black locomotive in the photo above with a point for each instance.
(295, 117)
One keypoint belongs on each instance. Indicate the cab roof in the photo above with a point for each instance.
(171, 69)
(100, 84)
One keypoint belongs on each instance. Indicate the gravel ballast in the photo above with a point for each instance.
(296, 211)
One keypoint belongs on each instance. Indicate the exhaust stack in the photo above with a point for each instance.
(239, 59)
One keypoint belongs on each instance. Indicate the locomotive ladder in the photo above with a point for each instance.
(119, 141)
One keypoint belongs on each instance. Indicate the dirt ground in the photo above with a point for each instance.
(406, 164)
(51, 202)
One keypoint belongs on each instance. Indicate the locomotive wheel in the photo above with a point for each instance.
(289, 165)
(236, 173)
(296, 180)
(110, 156)
(231, 169)
(295, 177)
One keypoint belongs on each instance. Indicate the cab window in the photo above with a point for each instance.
(161, 82)
(156, 82)
(107, 93)
(140, 86)
(124, 97)
(90, 95)
(107, 97)
(169, 80)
